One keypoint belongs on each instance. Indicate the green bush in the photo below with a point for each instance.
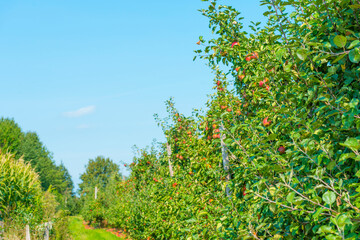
(61, 225)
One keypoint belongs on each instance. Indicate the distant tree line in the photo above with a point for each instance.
(28, 146)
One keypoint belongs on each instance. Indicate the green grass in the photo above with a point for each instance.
(78, 231)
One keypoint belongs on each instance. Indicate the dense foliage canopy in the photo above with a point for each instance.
(31, 149)
(276, 154)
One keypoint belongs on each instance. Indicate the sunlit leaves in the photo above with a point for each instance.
(354, 55)
(329, 197)
(340, 41)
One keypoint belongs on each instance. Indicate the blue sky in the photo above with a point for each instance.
(88, 76)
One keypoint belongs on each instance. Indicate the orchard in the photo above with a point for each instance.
(276, 153)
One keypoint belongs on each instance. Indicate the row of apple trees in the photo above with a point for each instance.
(276, 154)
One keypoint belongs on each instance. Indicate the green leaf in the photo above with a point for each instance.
(348, 118)
(346, 156)
(272, 136)
(331, 165)
(342, 220)
(332, 237)
(302, 54)
(287, 68)
(280, 53)
(202, 213)
(325, 229)
(354, 55)
(290, 197)
(298, 201)
(355, 6)
(354, 102)
(340, 41)
(192, 220)
(329, 197)
(339, 58)
(272, 190)
(351, 143)
(353, 44)
(318, 212)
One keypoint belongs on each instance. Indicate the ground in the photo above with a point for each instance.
(79, 232)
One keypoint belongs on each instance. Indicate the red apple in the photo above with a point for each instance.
(248, 59)
(218, 83)
(229, 109)
(281, 149)
(266, 123)
(255, 55)
(179, 120)
(234, 44)
(237, 69)
(241, 77)
(261, 84)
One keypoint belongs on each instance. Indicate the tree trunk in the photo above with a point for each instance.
(225, 157)
(169, 159)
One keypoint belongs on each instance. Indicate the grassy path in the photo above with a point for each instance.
(78, 232)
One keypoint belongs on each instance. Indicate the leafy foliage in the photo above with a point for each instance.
(101, 173)
(32, 150)
(290, 125)
(20, 188)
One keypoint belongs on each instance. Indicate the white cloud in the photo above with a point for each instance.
(80, 112)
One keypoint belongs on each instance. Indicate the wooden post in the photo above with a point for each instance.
(96, 190)
(47, 231)
(169, 159)
(225, 157)
(1, 229)
(27, 232)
